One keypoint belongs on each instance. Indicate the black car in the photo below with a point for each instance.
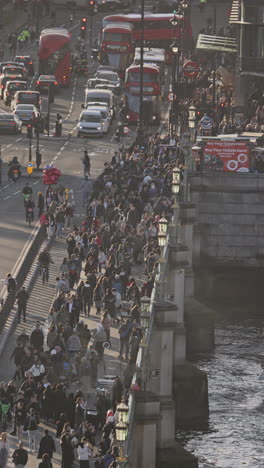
(27, 61)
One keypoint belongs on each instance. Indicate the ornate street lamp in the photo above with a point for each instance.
(192, 116)
(122, 412)
(162, 233)
(121, 435)
(176, 178)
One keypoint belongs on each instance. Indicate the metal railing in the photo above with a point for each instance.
(8, 299)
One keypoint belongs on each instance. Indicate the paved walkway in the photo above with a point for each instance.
(41, 299)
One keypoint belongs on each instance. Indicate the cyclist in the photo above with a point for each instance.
(27, 192)
(29, 206)
(44, 259)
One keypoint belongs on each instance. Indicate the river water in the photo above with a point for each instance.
(234, 436)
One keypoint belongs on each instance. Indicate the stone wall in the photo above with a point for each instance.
(229, 234)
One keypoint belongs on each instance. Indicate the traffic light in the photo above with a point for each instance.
(83, 26)
(29, 130)
(203, 1)
(91, 6)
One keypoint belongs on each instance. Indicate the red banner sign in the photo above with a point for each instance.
(226, 156)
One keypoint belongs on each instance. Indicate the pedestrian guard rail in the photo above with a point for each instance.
(8, 299)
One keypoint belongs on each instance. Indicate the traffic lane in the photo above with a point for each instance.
(13, 228)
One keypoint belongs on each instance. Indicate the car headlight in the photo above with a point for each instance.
(99, 128)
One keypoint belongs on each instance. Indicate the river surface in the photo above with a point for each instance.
(234, 436)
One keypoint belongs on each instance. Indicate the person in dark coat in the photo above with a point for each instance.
(117, 392)
(67, 452)
(20, 456)
(40, 204)
(46, 445)
(45, 463)
(22, 298)
(37, 337)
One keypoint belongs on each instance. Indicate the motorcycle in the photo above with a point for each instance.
(15, 174)
(14, 171)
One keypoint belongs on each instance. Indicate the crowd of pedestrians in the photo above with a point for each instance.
(98, 277)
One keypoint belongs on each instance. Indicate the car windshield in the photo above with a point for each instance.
(99, 99)
(12, 86)
(108, 76)
(90, 118)
(103, 113)
(10, 70)
(6, 117)
(28, 96)
(47, 78)
(26, 107)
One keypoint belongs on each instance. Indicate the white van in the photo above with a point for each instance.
(100, 95)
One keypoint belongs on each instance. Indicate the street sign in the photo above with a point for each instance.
(190, 69)
(206, 122)
(172, 97)
(126, 130)
(30, 168)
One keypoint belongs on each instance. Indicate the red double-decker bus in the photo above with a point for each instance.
(55, 54)
(117, 46)
(158, 29)
(151, 93)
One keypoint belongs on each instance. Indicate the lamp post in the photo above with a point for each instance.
(122, 412)
(176, 178)
(140, 126)
(162, 235)
(192, 125)
(175, 52)
(121, 435)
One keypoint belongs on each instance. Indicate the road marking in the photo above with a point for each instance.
(72, 99)
(9, 196)
(17, 192)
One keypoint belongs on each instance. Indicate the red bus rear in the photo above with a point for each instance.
(151, 93)
(55, 54)
(158, 29)
(116, 46)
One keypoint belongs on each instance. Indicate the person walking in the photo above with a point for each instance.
(4, 450)
(46, 445)
(86, 164)
(83, 453)
(67, 452)
(20, 456)
(10, 283)
(45, 463)
(22, 297)
(124, 332)
(40, 204)
(60, 221)
(32, 426)
(86, 187)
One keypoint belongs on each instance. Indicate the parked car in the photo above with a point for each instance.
(27, 113)
(10, 123)
(90, 123)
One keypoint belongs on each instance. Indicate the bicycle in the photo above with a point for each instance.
(44, 273)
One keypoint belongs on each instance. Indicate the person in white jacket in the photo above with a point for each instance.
(83, 453)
